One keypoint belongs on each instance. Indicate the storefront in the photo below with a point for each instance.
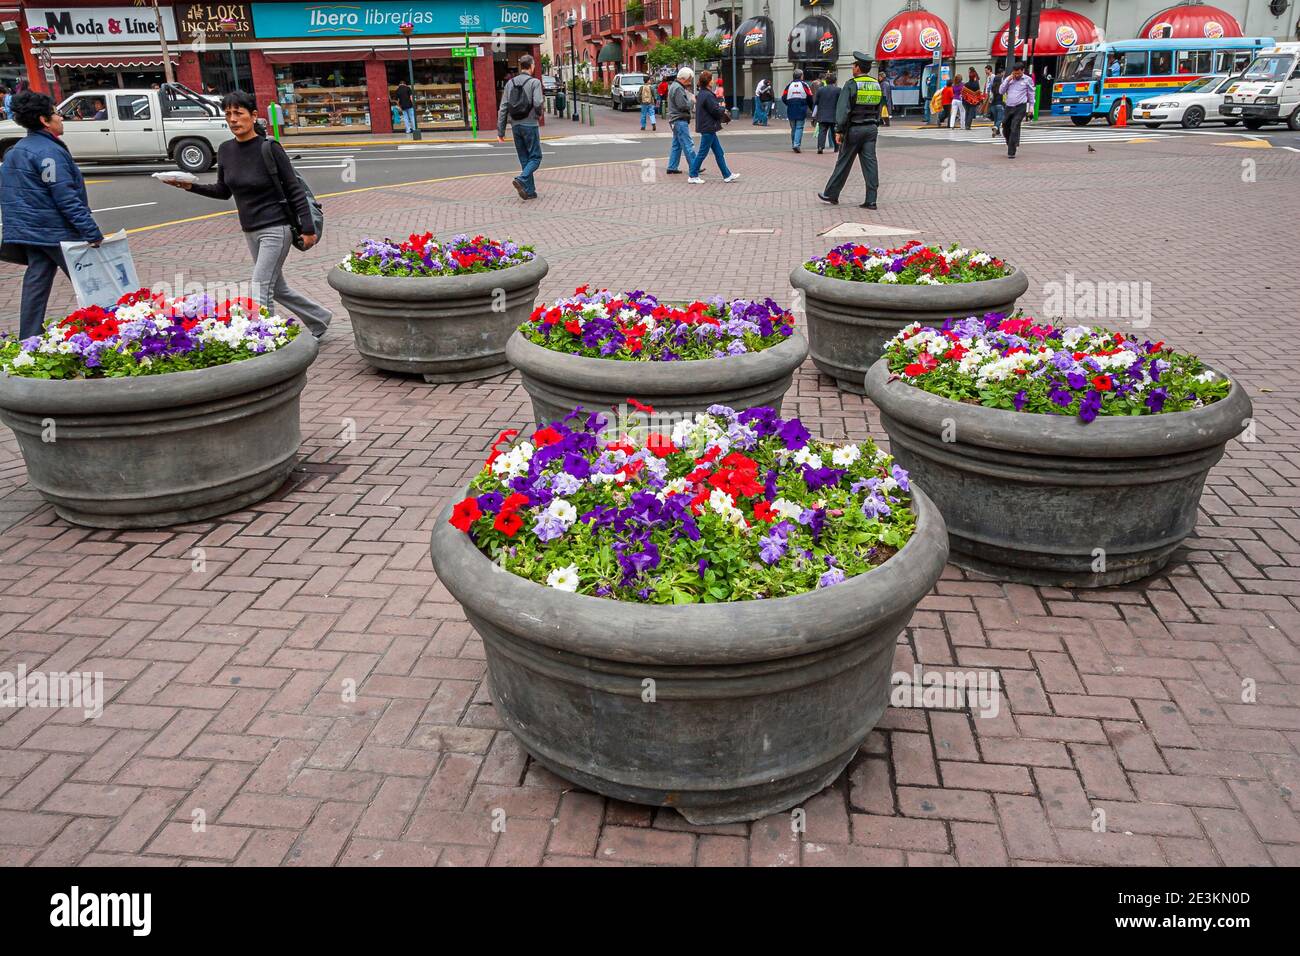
(1060, 32)
(99, 47)
(814, 45)
(911, 51)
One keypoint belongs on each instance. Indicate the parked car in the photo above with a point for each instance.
(116, 126)
(623, 90)
(549, 84)
(1194, 104)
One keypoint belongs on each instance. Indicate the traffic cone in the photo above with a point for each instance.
(1121, 117)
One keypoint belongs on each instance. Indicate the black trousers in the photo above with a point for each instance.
(826, 131)
(1011, 126)
(860, 144)
(43, 263)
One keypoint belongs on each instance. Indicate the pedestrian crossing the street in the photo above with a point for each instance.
(1031, 135)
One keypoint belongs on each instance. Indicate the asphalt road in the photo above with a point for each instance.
(129, 197)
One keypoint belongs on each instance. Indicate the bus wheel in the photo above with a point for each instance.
(1113, 116)
(1193, 118)
(1081, 120)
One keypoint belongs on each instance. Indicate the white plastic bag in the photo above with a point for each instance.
(100, 276)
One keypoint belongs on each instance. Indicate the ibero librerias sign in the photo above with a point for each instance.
(102, 24)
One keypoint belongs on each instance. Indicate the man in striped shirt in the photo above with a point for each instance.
(1017, 93)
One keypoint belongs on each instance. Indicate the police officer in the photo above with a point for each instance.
(857, 122)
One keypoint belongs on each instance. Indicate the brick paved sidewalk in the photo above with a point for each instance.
(225, 685)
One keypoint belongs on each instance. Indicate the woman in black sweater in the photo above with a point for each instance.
(263, 213)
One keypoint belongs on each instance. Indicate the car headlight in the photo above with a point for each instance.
(1266, 100)
(1147, 106)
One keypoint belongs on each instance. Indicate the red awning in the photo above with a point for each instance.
(1059, 32)
(101, 61)
(913, 35)
(1191, 21)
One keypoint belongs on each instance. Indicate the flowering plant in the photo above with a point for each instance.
(912, 264)
(147, 334)
(422, 255)
(730, 506)
(1017, 363)
(636, 326)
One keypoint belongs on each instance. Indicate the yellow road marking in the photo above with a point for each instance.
(366, 189)
(1248, 144)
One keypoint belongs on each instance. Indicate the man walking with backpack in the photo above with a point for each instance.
(796, 98)
(646, 97)
(523, 101)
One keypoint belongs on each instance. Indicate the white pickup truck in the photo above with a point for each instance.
(129, 126)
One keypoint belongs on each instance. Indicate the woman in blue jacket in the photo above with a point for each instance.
(710, 115)
(43, 202)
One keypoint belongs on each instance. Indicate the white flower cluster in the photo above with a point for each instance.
(514, 463)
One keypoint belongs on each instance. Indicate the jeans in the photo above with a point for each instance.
(270, 247)
(760, 112)
(42, 263)
(647, 111)
(796, 133)
(1011, 126)
(709, 143)
(408, 119)
(528, 146)
(826, 131)
(859, 144)
(682, 145)
(996, 113)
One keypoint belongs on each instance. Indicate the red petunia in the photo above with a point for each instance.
(465, 514)
(646, 409)
(1101, 383)
(661, 445)
(763, 511)
(955, 353)
(508, 523)
(925, 362)
(573, 327)
(514, 502)
(546, 436)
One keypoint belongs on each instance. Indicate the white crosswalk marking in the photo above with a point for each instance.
(1030, 135)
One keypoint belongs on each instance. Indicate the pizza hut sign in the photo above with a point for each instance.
(102, 24)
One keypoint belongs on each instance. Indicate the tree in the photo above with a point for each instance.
(688, 48)
(546, 63)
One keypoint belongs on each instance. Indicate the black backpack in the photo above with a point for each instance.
(518, 103)
(313, 204)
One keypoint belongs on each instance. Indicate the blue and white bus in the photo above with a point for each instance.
(1098, 77)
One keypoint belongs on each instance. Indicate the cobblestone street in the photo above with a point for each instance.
(224, 685)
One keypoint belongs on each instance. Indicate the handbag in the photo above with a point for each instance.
(313, 204)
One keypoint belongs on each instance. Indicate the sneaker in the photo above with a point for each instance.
(695, 179)
(732, 178)
(795, 148)
(828, 200)
(519, 188)
(819, 152)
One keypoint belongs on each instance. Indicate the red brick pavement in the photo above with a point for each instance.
(226, 685)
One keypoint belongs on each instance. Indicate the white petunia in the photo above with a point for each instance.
(845, 455)
(563, 511)
(806, 456)
(787, 509)
(564, 579)
(22, 360)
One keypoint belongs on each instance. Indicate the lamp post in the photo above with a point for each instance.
(407, 29)
(735, 113)
(230, 26)
(573, 65)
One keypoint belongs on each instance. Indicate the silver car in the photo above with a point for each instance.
(623, 91)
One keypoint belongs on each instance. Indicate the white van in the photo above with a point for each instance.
(130, 126)
(1269, 89)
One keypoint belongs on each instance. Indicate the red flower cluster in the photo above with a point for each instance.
(94, 321)
(417, 242)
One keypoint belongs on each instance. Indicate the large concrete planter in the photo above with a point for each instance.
(850, 322)
(726, 711)
(1046, 499)
(162, 449)
(558, 382)
(446, 328)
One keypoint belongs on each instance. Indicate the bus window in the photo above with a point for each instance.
(1162, 62)
(1230, 61)
(1241, 60)
(1127, 64)
(1079, 67)
(1193, 61)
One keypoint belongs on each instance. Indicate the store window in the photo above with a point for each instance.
(323, 96)
(214, 68)
(439, 92)
(12, 68)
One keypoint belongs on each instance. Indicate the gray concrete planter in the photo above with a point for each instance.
(756, 704)
(558, 382)
(1040, 499)
(161, 450)
(446, 328)
(850, 322)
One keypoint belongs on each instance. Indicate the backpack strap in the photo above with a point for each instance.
(273, 170)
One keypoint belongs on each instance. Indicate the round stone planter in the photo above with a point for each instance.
(726, 712)
(559, 382)
(446, 328)
(850, 322)
(1046, 499)
(161, 450)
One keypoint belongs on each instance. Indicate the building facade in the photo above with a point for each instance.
(611, 36)
(775, 37)
(329, 67)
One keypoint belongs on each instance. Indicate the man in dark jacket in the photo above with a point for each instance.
(796, 97)
(857, 123)
(42, 202)
(824, 105)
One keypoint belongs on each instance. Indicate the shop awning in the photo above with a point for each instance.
(101, 62)
(1191, 21)
(611, 52)
(914, 35)
(723, 36)
(1059, 32)
(754, 39)
(814, 39)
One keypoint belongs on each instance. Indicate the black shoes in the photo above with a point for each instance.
(674, 172)
(867, 205)
(519, 188)
(828, 200)
(819, 152)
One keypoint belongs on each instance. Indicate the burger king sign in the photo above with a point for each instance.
(931, 38)
(891, 40)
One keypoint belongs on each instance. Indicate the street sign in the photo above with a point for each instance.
(467, 51)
